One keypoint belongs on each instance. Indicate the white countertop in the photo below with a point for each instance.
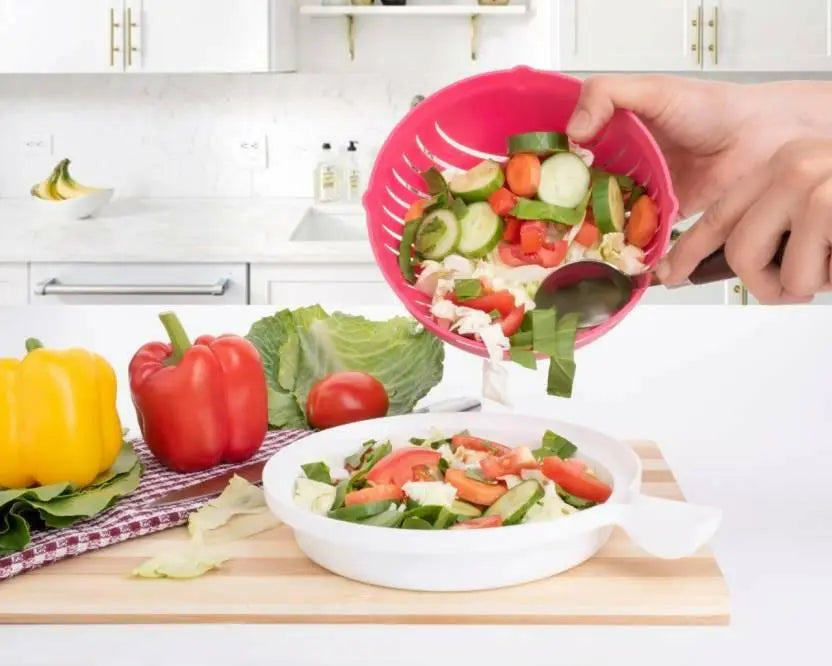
(190, 230)
(740, 400)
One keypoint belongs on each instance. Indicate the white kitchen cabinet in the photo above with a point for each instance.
(695, 35)
(751, 35)
(137, 284)
(47, 36)
(330, 285)
(147, 36)
(14, 281)
(197, 36)
(636, 35)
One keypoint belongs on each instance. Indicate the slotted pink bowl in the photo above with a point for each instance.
(471, 120)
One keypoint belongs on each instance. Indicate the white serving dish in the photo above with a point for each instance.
(79, 207)
(457, 560)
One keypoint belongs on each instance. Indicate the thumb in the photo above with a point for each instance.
(602, 95)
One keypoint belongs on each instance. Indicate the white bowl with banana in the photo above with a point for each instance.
(62, 195)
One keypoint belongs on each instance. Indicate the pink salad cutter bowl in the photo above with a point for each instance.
(471, 120)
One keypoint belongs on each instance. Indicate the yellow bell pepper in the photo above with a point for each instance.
(58, 417)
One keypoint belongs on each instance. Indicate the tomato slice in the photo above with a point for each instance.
(478, 523)
(554, 253)
(532, 235)
(588, 234)
(575, 480)
(471, 490)
(397, 467)
(501, 301)
(512, 323)
(502, 201)
(479, 444)
(511, 232)
(374, 494)
(519, 459)
(508, 255)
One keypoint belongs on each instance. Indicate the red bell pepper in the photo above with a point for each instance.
(199, 404)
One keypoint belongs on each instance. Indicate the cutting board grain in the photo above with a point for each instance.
(270, 581)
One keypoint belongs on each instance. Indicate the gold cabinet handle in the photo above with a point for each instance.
(113, 48)
(696, 47)
(130, 24)
(714, 46)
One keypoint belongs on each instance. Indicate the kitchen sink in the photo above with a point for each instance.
(326, 226)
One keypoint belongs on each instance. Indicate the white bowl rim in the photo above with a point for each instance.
(282, 469)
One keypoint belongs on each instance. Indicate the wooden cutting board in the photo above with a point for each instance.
(270, 581)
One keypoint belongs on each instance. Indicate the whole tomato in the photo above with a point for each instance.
(346, 397)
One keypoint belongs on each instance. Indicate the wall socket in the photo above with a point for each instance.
(36, 145)
(251, 152)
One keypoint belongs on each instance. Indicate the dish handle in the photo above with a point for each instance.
(664, 528)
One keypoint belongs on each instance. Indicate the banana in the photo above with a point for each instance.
(60, 185)
(47, 189)
(72, 184)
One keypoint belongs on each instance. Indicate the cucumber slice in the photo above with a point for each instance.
(529, 209)
(416, 524)
(478, 183)
(541, 144)
(482, 229)
(624, 182)
(444, 520)
(389, 518)
(564, 180)
(358, 512)
(572, 500)
(465, 510)
(608, 205)
(437, 235)
(405, 258)
(512, 506)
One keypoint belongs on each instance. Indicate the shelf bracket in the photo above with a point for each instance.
(475, 24)
(351, 35)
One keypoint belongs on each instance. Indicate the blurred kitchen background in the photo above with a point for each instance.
(208, 117)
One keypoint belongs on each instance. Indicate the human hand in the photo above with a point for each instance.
(791, 193)
(711, 133)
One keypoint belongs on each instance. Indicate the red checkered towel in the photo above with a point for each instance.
(130, 517)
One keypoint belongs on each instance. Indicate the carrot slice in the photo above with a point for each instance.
(471, 490)
(416, 209)
(374, 494)
(523, 174)
(643, 222)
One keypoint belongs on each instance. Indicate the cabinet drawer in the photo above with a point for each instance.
(137, 284)
(338, 286)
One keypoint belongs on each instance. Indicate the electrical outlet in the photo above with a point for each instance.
(37, 144)
(252, 152)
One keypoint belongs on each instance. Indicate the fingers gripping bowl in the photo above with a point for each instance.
(475, 120)
(476, 559)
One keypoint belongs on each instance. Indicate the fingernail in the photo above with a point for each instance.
(579, 123)
(663, 270)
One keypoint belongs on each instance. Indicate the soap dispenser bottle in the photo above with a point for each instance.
(326, 176)
(352, 175)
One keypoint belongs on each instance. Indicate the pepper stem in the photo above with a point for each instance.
(32, 344)
(178, 338)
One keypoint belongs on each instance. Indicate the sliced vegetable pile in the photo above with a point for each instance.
(486, 238)
(459, 482)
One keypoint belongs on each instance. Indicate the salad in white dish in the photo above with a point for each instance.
(458, 482)
(483, 242)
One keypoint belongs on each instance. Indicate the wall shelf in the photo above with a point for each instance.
(473, 11)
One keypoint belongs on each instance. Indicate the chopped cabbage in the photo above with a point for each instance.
(430, 493)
